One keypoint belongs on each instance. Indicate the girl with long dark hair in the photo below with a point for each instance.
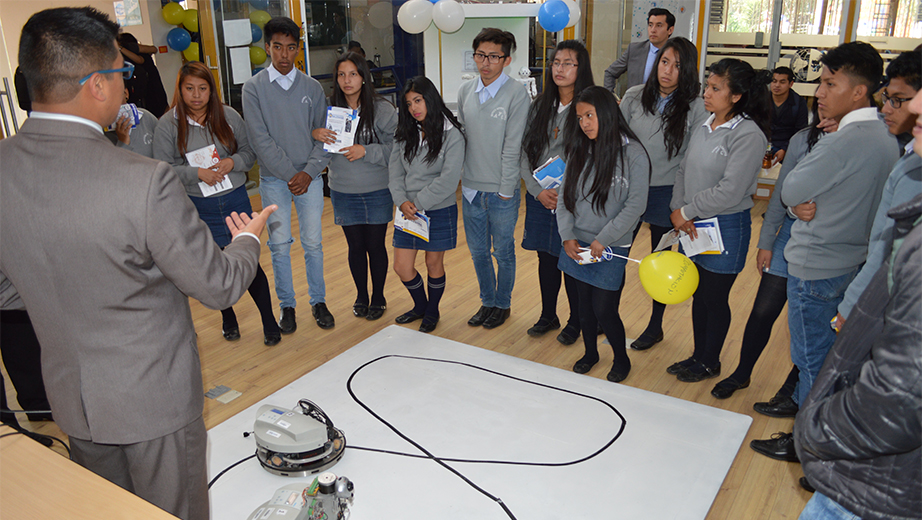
(196, 120)
(550, 112)
(358, 177)
(717, 179)
(604, 193)
(425, 169)
(663, 113)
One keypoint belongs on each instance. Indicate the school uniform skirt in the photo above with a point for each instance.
(607, 274)
(443, 232)
(658, 212)
(352, 209)
(735, 231)
(213, 210)
(779, 266)
(540, 228)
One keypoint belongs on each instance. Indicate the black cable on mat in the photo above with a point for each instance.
(232, 466)
(442, 461)
(38, 438)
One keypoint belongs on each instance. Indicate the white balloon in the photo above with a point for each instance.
(574, 12)
(415, 16)
(448, 15)
(381, 14)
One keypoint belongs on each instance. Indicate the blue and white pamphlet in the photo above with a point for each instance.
(550, 174)
(418, 228)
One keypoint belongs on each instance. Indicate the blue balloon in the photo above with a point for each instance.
(178, 39)
(260, 4)
(257, 70)
(256, 32)
(554, 15)
(434, 1)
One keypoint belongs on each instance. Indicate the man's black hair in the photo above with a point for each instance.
(281, 25)
(786, 71)
(60, 46)
(858, 60)
(908, 67)
(659, 11)
(504, 39)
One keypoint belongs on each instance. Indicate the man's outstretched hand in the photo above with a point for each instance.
(239, 223)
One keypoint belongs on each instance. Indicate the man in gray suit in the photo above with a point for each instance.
(639, 58)
(105, 248)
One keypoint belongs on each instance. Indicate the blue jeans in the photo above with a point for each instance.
(309, 206)
(821, 507)
(811, 306)
(489, 223)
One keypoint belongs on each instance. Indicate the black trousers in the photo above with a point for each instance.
(22, 357)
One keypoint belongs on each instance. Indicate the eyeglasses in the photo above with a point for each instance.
(493, 58)
(127, 71)
(564, 65)
(895, 102)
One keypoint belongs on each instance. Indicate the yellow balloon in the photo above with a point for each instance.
(173, 13)
(190, 20)
(191, 53)
(257, 55)
(260, 18)
(668, 277)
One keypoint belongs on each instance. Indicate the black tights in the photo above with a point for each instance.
(367, 252)
(549, 281)
(655, 327)
(600, 307)
(770, 300)
(711, 315)
(259, 291)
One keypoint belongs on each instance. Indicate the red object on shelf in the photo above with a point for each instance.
(163, 49)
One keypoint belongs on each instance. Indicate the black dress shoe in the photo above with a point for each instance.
(231, 334)
(408, 317)
(618, 373)
(543, 327)
(496, 318)
(675, 368)
(428, 324)
(273, 339)
(804, 483)
(375, 312)
(322, 316)
(568, 335)
(725, 388)
(359, 310)
(777, 407)
(481, 316)
(40, 417)
(287, 321)
(697, 372)
(585, 364)
(644, 341)
(779, 447)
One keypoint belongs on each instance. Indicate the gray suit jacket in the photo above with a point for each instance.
(105, 248)
(634, 61)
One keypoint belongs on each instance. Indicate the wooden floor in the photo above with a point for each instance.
(755, 488)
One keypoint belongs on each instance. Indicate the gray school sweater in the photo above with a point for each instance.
(141, 137)
(166, 149)
(844, 175)
(555, 147)
(370, 172)
(649, 129)
(719, 171)
(279, 123)
(774, 215)
(615, 226)
(428, 186)
(494, 136)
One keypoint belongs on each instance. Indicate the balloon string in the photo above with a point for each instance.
(609, 256)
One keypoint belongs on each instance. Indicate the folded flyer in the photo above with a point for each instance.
(345, 122)
(550, 174)
(418, 228)
(206, 158)
(709, 241)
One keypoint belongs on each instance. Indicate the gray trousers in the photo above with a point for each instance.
(168, 471)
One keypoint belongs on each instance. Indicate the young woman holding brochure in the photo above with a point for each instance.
(604, 194)
(197, 120)
(717, 179)
(550, 113)
(425, 169)
(358, 177)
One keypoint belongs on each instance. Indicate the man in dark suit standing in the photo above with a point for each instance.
(639, 58)
(104, 248)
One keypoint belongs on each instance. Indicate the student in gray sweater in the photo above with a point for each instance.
(716, 180)
(425, 168)
(199, 120)
(664, 112)
(604, 194)
(834, 193)
(358, 177)
(569, 73)
(281, 106)
(139, 139)
(493, 109)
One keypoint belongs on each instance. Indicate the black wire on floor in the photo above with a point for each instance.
(44, 440)
(232, 466)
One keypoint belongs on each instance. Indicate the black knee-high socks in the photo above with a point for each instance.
(367, 253)
(418, 293)
(436, 289)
